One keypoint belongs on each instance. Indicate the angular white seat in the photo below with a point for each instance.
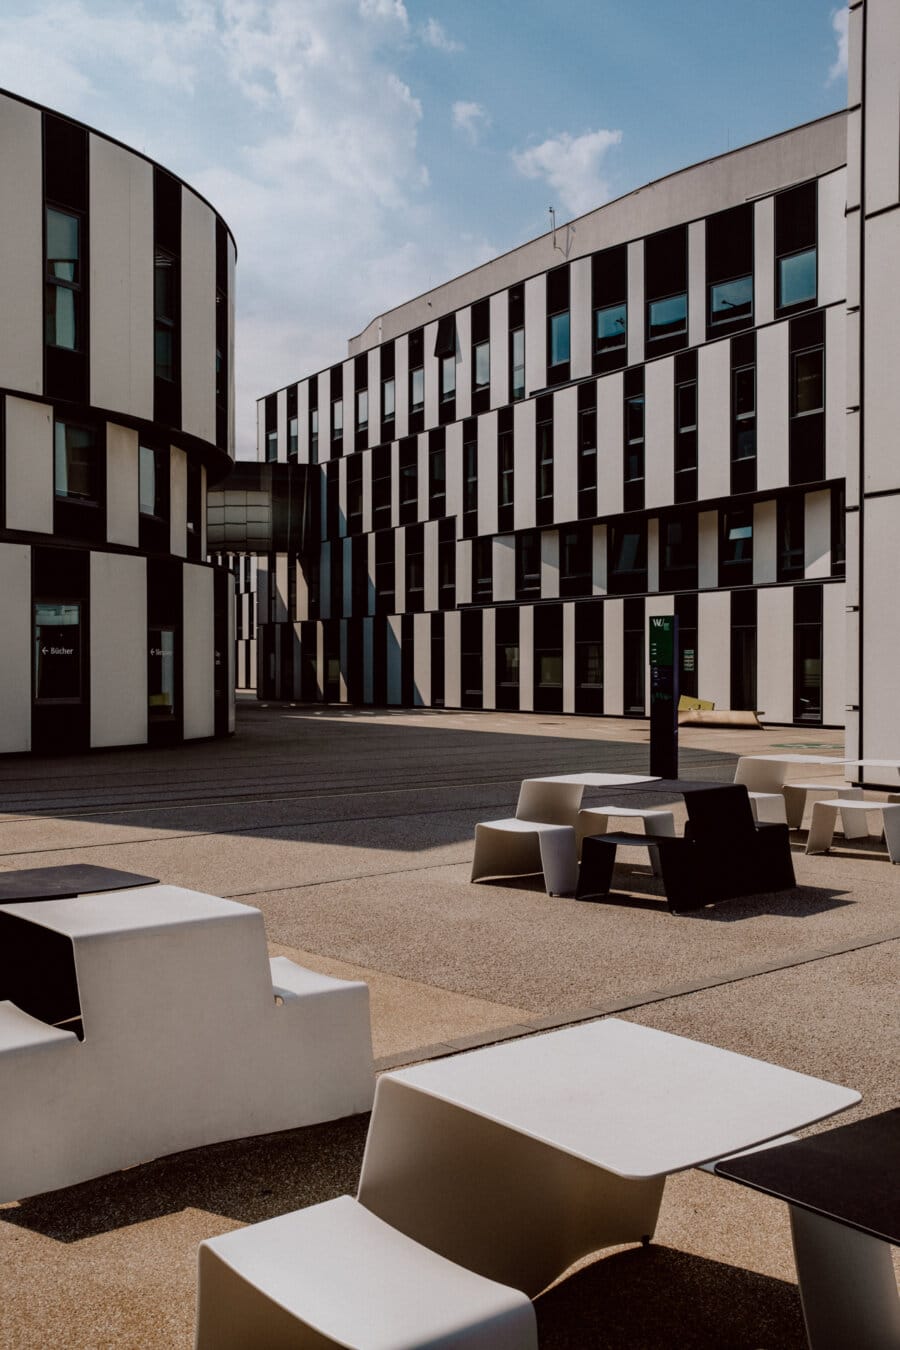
(595, 820)
(513, 847)
(856, 826)
(763, 782)
(797, 796)
(337, 1275)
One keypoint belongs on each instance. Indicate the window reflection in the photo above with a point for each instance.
(797, 278)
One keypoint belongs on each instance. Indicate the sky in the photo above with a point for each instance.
(363, 151)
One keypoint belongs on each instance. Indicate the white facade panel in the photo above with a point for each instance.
(29, 466)
(373, 378)
(765, 542)
(832, 242)
(834, 655)
(697, 282)
(708, 549)
(764, 260)
(881, 639)
(835, 392)
(199, 655)
(714, 419)
(773, 406)
(177, 501)
(464, 571)
(121, 279)
(581, 318)
(452, 671)
(401, 387)
(775, 653)
(635, 302)
(432, 375)
(487, 473)
(464, 362)
(198, 317)
(489, 659)
(524, 442)
(21, 248)
(882, 142)
(714, 647)
(281, 424)
(882, 388)
(549, 564)
(659, 432)
(817, 535)
(394, 664)
(430, 540)
(535, 333)
(653, 554)
(599, 561)
(15, 650)
(422, 660)
(504, 560)
(613, 648)
(499, 305)
(122, 493)
(118, 649)
(565, 455)
(610, 433)
(526, 658)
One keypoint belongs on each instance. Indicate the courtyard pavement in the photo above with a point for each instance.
(352, 832)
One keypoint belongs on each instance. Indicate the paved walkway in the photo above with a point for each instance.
(352, 832)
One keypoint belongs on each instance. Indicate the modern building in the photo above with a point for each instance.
(116, 412)
(683, 402)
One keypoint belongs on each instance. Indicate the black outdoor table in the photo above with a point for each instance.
(724, 853)
(843, 1189)
(59, 883)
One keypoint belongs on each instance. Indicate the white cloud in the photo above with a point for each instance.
(571, 167)
(840, 22)
(470, 118)
(433, 34)
(293, 121)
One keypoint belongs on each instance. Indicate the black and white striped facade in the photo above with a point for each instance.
(116, 411)
(643, 414)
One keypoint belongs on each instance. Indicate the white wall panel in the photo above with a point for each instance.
(565, 455)
(772, 401)
(122, 491)
(834, 654)
(882, 142)
(832, 243)
(504, 560)
(526, 658)
(118, 649)
(714, 419)
(121, 279)
(178, 501)
(635, 302)
(422, 660)
(399, 571)
(401, 386)
(599, 561)
(881, 636)
(836, 400)
(499, 305)
(464, 362)
(613, 665)
(535, 333)
(775, 653)
(324, 406)
(373, 376)
(452, 672)
(708, 548)
(764, 260)
(489, 658)
(697, 282)
(349, 398)
(21, 248)
(765, 542)
(659, 432)
(582, 319)
(430, 536)
(198, 317)
(197, 645)
(549, 564)
(524, 442)
(432, 368)
(610, 431)
(653, 554)
(29, 466)
(882, 392)
(394, 667)
(260, 429)
(281, 424)
(231, 260)
(487, 473)
(15, 649)
(367, 491)
(203, 491)
(817, 535)
(714, 647)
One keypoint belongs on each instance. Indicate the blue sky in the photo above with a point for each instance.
(365, 150)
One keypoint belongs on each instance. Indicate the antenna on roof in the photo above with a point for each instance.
(570, 234)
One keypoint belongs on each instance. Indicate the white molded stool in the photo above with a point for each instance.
(337, 1275)
(853, 817)
(512, 848)
(595, 820)
(769, 807)
(796, 796)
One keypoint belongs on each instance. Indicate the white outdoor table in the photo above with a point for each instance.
(516, 1160)
(556, 799)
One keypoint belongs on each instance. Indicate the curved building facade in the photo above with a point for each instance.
(116, 414)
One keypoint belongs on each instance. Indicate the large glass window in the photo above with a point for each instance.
(337, 419)
(808, 654)
(610, 328)
(559, 338)
(362, 409)
(417, 389)
(634, 439)
(506, 468)
(528, 563)
(544, 460)
(57, 652)
(165, 302)
(293, 437)
(161, 673)
(808, 382)
(729, 300)
(76, 462)
(314, 436)
(470, 477)
(62, 291)
(744, 411)
(482, 362)
(736, 548)
(387, 399)
(797, 278)
(437, 482)
(667, 317)
(448, 378)
(517, 363)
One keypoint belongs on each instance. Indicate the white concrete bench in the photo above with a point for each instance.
(336, 1275)
(513, 847)
(855, 822)
(797, 796)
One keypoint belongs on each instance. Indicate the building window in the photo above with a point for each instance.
(76, 463)
(409, 480)
(354, 494)
(744, 411)
(313, 435)
(448, 378)
(559, 338)
(790, 513)
(736, 548)
(447, 564)
(588, 657)
(528, 564)
(634, 659)
(576, 560)
(57, 652)
(610, 328)
(730, 300)
(517, 363)
(482, 364)
(506, 473)
(634, 453)
(337, 419)
(153, 482)
(743, 650)
(362, 409)
(729, 269)
(627, 546)
(387, 398)
(293, 438)
(385, 564)
(165, 301)
(62, 290)
(161, 674)
(587, 460)
(808, 654)
(797, 279)
(795, 247)
(667, 318)
(808, 382)
(417, 389)
(482, 568)
(678, 552)
(544, 460)
(381, 487)
(548, 658)
(437, 475)
(470, 483)
(415, 569)
(838, 531)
